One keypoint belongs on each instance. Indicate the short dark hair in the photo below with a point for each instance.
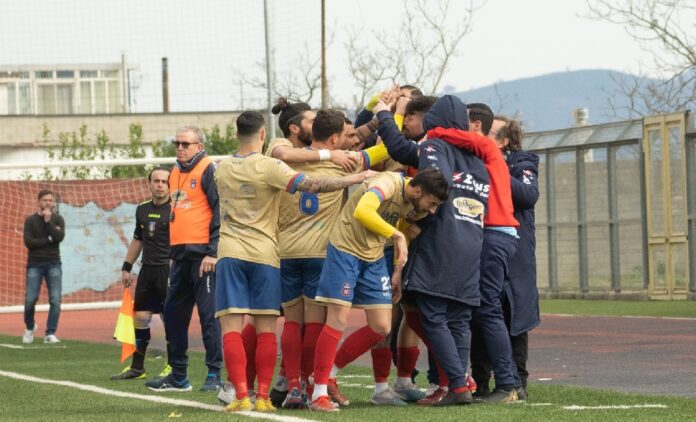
(149, 175)
(432, 182)
(44, 192)
(347, 121)
(512, 131)
(482, 113)
(420, 104)
(288, 113)
(415, 91)
(327, 123)
(249, 123)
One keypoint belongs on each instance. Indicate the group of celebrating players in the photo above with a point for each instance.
(435, 246)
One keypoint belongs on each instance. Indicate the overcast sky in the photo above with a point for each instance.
(209, 42)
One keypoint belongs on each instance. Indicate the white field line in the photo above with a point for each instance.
(355, 376)
(155, 399)
(348, 384)
(17, 346)
(617, 406)
(623, 316)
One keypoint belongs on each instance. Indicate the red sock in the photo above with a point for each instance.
(413, 320)
(291, 346)
(325, 353)
(406, 359)
(381, 363)
(235, 362)
(309, 343)
(249, 339)
(355, 345)
(266, 354)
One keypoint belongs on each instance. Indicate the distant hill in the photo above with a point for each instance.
(546, 102)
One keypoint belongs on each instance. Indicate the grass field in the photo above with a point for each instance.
(92, 364)
(683, 308)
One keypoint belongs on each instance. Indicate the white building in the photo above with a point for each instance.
(65, 89)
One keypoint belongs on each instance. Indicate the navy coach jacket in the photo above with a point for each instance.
(444, 259)
(520, 285)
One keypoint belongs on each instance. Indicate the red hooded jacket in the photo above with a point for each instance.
(500, 208)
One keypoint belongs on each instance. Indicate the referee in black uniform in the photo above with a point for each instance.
(151, 236)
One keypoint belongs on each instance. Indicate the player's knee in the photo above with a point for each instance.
(142, 319)
(382, 328)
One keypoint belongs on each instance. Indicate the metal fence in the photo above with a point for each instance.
(593, 236)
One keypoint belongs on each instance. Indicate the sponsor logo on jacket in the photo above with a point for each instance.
(469, 209)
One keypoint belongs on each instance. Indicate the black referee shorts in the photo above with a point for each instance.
(151, 288)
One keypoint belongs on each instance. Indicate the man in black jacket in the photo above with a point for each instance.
(43, 232)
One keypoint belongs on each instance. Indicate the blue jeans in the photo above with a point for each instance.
(53, 273)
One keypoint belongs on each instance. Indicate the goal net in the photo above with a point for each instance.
(99, 213)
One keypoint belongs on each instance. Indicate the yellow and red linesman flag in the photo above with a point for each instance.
(125, 328)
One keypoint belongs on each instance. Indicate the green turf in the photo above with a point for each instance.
(93, 363)
(621, 308)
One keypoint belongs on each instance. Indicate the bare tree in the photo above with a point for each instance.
(666, 29)
(420, 53)
(300, 83)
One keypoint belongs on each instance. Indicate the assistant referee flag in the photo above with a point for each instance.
(125, 328)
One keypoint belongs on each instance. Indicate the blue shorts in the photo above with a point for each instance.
(348, 280)
(245, 287)
(389, 259)
(299, 277)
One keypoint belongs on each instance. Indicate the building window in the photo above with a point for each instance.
(65, 74)
(109, 73)
(44, 75)
(88, 74)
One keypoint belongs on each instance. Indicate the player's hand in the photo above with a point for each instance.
(413, 231)
(207, 265)
(380, 106)
(127, 278)
(46, 213)
(396, 287)
(400, 249)
(347, 160)
(401, 105)
(364, 175)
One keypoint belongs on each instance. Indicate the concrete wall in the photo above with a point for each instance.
(26, 131)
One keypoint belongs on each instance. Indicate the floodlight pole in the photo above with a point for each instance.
(324, 81)
(269, 71)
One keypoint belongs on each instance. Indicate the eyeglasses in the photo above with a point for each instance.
(183, 145)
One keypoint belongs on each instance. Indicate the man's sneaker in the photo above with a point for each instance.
(227, 393)
(431, 389)
(501, 396)
(51, 339)
(295, 400)
(335, 393)
(279, 391)
(521, 393)
(433, 398)
(165, 371)
(264, 405)
(387, 398)
(453, 399)
(28, 336)
(323, 404)
(410, 393)
(471, 384)
(168, 383)
(129, 374)
(241, 405)
(212, 383)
